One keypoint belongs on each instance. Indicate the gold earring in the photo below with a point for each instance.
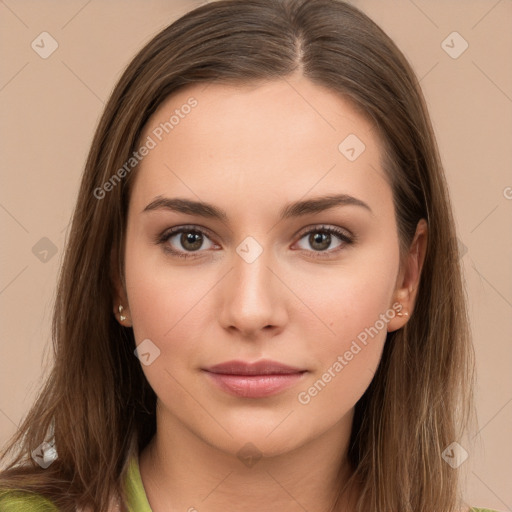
(402, 314)
(121, 316)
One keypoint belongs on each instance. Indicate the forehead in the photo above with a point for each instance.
(282, 138)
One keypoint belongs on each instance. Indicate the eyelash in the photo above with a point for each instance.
(342, 235)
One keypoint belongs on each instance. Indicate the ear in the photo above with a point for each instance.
(409, 278)
(120, 305)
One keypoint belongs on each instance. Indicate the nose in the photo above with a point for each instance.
(253, 300)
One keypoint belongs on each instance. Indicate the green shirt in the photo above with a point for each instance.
(17, 501)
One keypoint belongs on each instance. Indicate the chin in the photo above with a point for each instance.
(255, 442)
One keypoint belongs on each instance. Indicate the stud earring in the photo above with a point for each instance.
(121, 316)
(402, 314)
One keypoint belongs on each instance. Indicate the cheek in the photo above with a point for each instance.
(355, 309)
(349, 302)
(169, 307)
(161, 295)
(164, 309)
(348, 354)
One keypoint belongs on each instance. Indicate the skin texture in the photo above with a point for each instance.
(250, 150)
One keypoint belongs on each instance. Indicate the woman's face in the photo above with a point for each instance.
(263, 278)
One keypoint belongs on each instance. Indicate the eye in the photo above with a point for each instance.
(321, 238)
(191, 241)
(183, 240)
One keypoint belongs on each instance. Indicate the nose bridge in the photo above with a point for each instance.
(251, 299)
(252, 277)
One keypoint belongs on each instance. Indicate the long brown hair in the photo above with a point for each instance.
(97, 400)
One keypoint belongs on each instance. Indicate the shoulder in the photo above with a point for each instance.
(475, 509)
(19, 501)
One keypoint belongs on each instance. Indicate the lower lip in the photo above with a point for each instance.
(255, 386)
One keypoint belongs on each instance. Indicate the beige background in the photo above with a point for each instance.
(51, 107)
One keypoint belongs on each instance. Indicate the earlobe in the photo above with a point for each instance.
(120, 305)
(122, 314)
(400, 318)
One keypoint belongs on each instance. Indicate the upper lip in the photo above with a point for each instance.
(262, 367)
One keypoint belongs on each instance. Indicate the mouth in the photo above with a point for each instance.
(254, 380)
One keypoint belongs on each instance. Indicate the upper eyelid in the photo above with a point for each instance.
(178, 229)
(324, 227)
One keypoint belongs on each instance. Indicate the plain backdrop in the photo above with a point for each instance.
(50, 108)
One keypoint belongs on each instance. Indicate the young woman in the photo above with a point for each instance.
(261, 304)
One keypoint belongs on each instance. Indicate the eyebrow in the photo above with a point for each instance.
(295, 209)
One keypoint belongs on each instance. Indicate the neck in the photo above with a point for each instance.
(184, 472)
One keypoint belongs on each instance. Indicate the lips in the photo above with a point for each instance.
(263, 367)
(254, 380)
